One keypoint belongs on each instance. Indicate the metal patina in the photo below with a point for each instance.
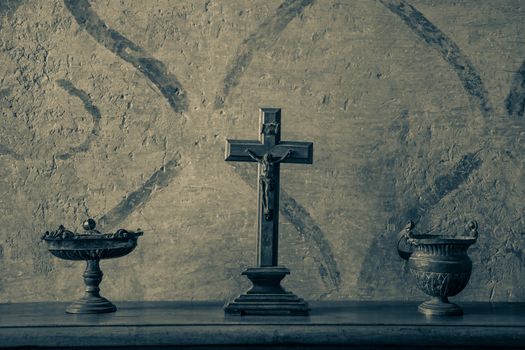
(91, 246)
(267, 297)
(440, 265)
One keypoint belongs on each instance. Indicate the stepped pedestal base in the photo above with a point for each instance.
(267, 297)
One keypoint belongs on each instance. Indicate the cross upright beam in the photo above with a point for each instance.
(269, 152)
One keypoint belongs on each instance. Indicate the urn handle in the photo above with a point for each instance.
(404, 249)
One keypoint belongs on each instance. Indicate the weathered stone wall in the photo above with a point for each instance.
(119, 110)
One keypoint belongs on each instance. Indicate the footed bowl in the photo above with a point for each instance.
(91, 246)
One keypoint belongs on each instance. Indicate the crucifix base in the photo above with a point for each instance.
(267, 296)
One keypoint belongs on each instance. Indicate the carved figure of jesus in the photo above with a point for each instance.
(266, 180)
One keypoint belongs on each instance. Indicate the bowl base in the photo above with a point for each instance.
(91, 306)
(440, 307)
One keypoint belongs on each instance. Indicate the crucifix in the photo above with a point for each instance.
(267, 297)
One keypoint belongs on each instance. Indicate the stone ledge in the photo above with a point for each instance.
(204, 324)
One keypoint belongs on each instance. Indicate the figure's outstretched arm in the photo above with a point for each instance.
(289, 153)
(253, 155)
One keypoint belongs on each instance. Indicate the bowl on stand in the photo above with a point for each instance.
(91, 246)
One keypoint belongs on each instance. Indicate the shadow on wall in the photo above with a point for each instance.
(7, 7)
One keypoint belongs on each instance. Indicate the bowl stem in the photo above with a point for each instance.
(92, 302)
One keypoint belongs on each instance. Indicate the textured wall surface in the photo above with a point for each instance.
(119, 110)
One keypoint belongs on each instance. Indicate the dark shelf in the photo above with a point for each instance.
(204, 324)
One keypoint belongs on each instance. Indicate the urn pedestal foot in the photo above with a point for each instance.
(440, 306)
(267, 296)
(92, 302)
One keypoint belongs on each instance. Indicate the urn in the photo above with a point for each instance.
(440, 266)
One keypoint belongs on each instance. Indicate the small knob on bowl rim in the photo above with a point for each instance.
(89, 224)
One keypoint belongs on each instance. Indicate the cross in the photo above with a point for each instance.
(269, 152)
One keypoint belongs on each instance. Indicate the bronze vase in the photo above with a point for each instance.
(440, 266)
